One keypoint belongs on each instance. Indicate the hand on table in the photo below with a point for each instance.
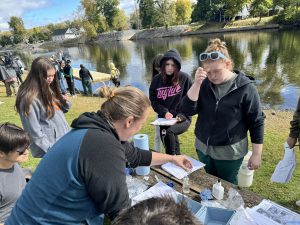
(183, 162)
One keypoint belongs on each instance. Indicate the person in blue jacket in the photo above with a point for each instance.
(83, 175)
(228, 106)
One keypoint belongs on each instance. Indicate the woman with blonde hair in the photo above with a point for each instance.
(228, 106)
(87, 166)
(41, 106)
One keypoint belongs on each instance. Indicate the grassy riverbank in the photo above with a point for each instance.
(276, 131)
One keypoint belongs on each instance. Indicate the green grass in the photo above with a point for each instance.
(250, 22)
(276, 131)
(212, 26)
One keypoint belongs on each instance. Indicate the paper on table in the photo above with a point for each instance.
(164, 122)
(180, 173)
(158, 190)
(270, 213)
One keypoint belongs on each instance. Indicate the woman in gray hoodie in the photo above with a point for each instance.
(42, 106)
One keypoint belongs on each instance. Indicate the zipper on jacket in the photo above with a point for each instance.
(207, 142)
(217, 104)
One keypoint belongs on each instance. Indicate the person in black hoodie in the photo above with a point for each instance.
(165, 92)
(83, 174)
(86, 79)
(228, 106)
(68, 73)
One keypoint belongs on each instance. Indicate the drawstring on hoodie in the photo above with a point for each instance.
(163, 134)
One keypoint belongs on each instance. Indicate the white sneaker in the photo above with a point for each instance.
(298, 203)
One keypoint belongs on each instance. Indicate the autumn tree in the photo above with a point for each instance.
(232, 7)
(90, 30)
(134, 20)
(166, 11)
(260, 7)
(184, 11)
(109, 9)
(18, 31)
(202, 10)
(147, 12)
(120, 21)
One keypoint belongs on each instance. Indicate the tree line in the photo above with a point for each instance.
(97, 16)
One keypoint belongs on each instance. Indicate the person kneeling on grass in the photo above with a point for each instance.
(83, 176)
(14, 143)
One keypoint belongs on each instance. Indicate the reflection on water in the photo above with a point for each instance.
(272, 57)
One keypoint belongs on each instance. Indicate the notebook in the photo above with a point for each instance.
(180, 173)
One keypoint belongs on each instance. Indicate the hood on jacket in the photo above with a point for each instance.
(172, 54)
(112, 66)
(93, 120)
(243, 79)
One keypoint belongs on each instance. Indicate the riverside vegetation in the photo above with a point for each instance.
(276, 131)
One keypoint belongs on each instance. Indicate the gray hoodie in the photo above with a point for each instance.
(43, 131)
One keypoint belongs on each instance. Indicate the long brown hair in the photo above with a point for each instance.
(175, 78)
(36, 86)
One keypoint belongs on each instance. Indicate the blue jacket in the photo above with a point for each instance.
(80, 178)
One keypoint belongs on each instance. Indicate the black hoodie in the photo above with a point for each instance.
(227, 120)
(102, 160)
(165, 97)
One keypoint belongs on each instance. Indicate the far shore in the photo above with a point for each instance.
(133, 35)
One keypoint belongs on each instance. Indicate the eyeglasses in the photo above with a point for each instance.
(211, 55)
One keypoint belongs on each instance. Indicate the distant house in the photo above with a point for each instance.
(243, 13)
(63, 34)
(274, 11)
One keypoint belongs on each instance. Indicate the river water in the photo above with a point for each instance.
(272, 57)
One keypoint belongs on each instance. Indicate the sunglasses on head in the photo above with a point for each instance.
(211, 55)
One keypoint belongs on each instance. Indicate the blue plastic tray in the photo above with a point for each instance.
(208, 215)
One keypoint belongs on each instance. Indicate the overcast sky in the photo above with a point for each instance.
(41, 12)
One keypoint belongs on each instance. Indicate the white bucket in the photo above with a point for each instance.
(245, 176)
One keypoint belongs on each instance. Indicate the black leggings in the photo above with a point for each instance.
(169, 136)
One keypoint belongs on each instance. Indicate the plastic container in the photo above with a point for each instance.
(215, 216)
(208, 215)
(218, 190)
(245, 176)
(186, 185)
(141, 141)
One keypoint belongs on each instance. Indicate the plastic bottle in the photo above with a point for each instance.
(218, 190)
(186, 185)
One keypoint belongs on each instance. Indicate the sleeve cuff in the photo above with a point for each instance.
(146, 158)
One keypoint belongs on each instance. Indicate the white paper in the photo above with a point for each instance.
(285, 168)
(270, 213)
(164, 122)
(162, 190)
(158, 190)
(180, 173)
